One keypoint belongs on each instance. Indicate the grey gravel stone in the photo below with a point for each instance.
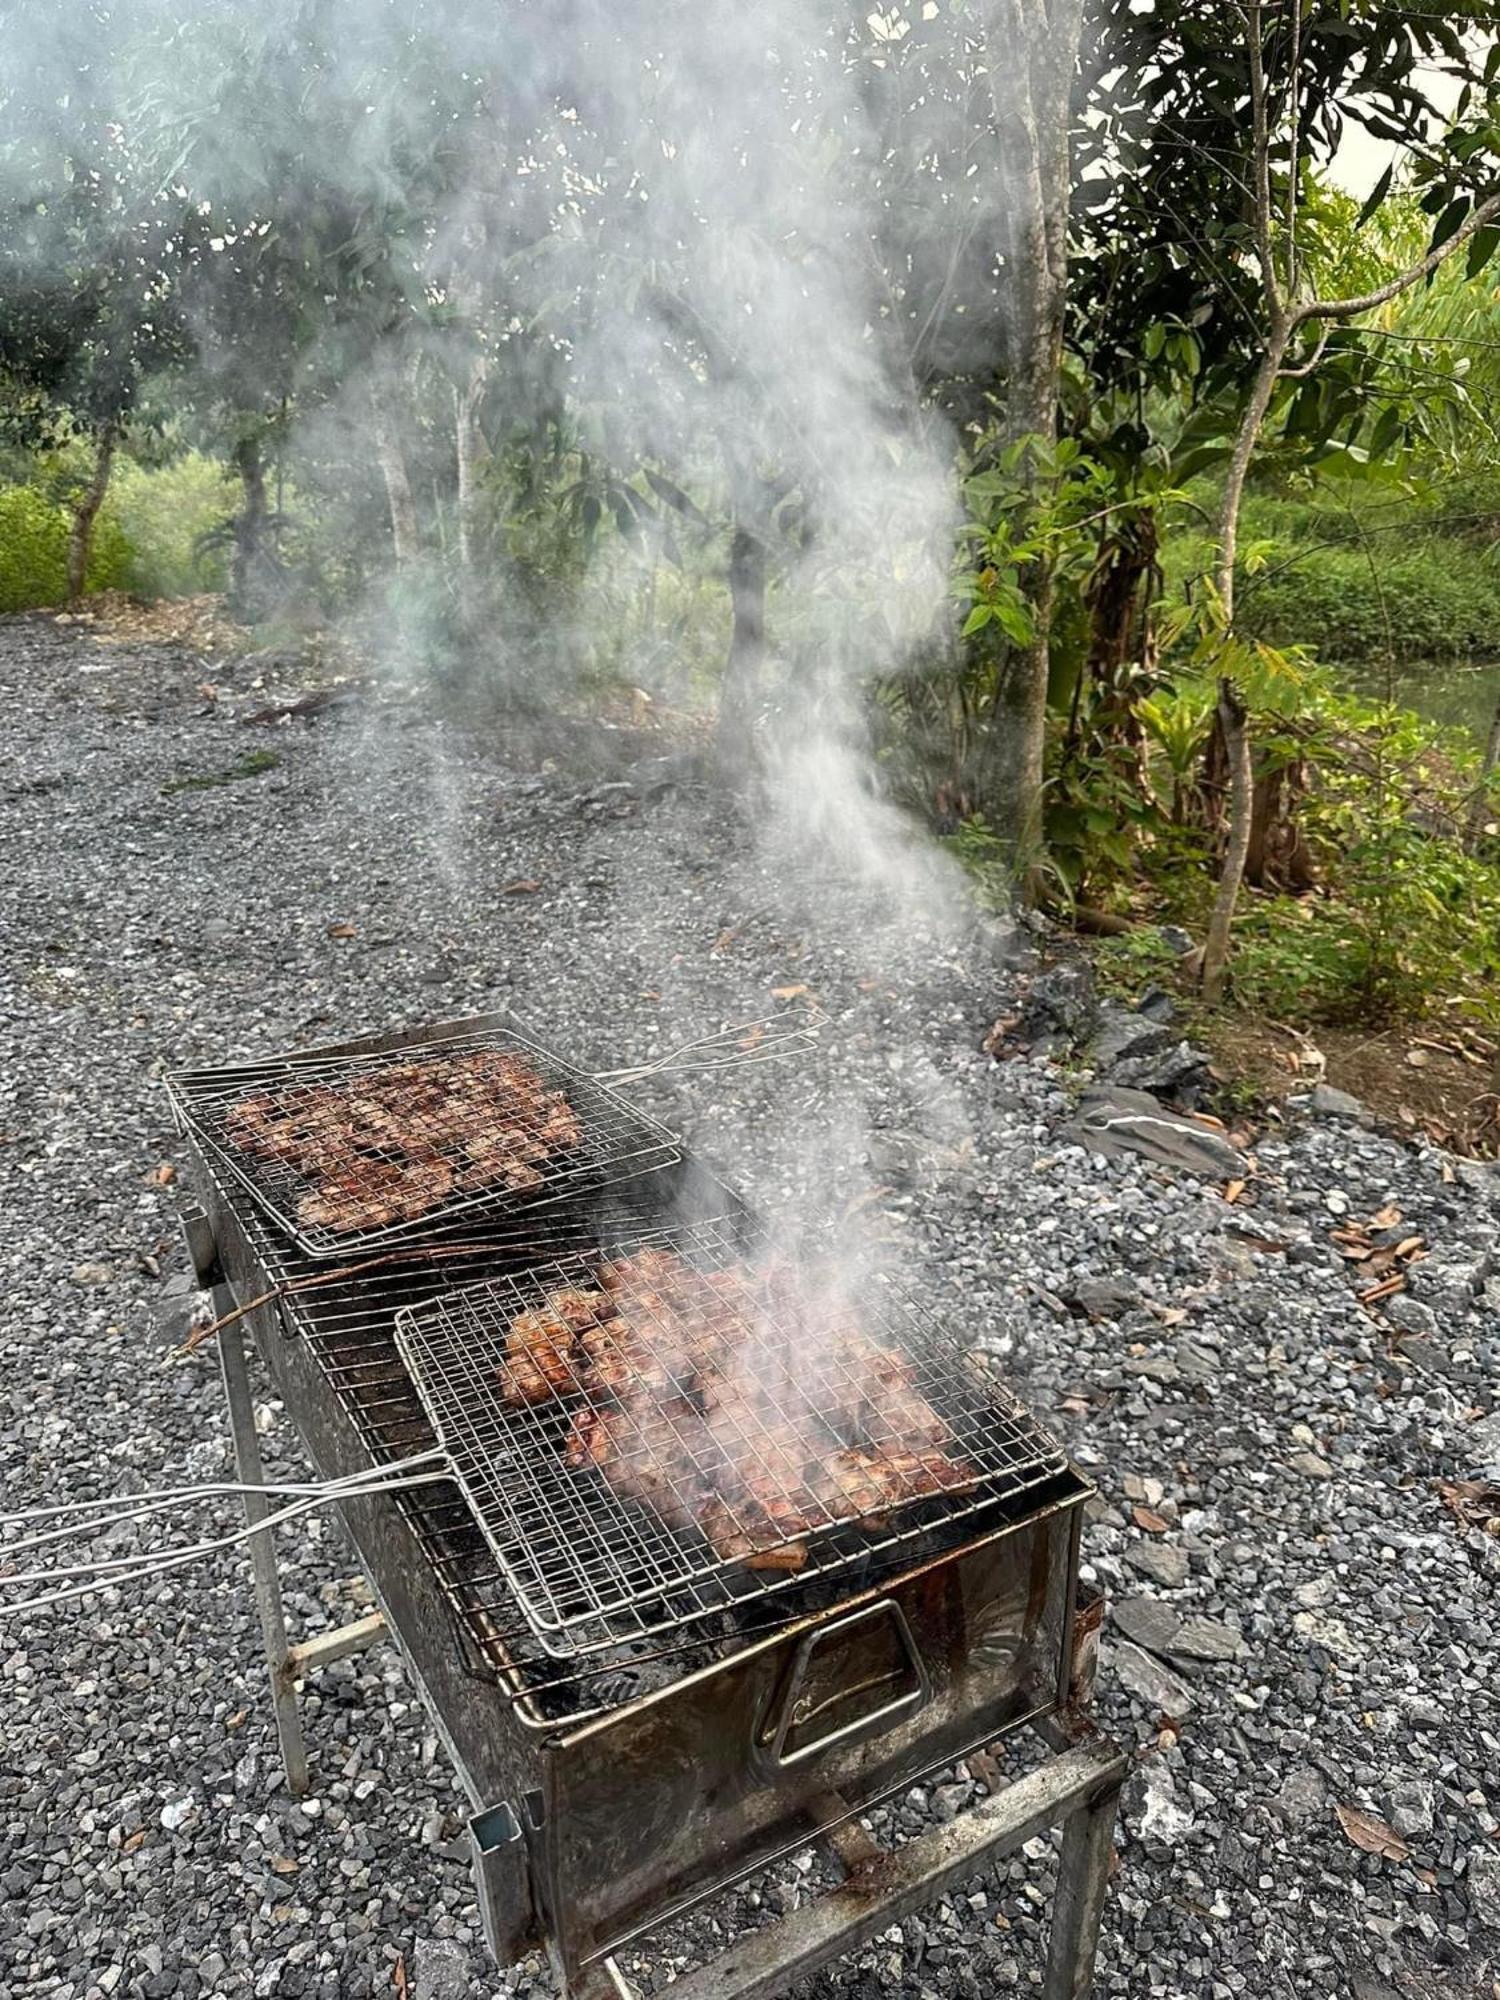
(408, 827)
(1152, 1808)
(1207, 1639)
(1329, 1102)
(1159, 1688)
(1480, 1446)
(1483, 1882)
(1161, 1561)
(1148, 1622)
(1302, 1796)
(1411, 1806)
(1411, 1316)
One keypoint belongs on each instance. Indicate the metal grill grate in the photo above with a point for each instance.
(435, 1176)
(592, 1567)
(348, 1325)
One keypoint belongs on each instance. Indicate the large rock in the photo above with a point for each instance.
(1123, 1033)
(1163, 1562)
(1147, 1622)
(1328, 1102)
(1061, 1001)
(1116, 1120)
(1206, 1639)
(1178, 1073)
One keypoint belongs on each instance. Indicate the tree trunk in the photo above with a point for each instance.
(1479, 806)
(249, 594)
(81, 533)
(470, 447)
(745, 664)
(405, 538)
(1234, 723)
(1031, 56)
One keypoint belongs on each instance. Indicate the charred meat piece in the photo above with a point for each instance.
(868, 1486)
(542, 1355)
(737, 1534)
(375, 1193)
(870, 1394)
(539, 1355)
(663, 1458)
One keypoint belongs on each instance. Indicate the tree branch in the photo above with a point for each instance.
(1351, 308)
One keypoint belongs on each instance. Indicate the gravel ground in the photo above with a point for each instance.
(1286, 1581)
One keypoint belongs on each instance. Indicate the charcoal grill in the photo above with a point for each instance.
(617, 1788)
(617, 1140)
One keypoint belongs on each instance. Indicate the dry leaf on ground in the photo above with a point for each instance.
(342, 931)
(527, 885)
(1372, 1834)
(1153, 1524)
(1473, 1503)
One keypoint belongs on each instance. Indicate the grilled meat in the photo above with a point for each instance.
(392, 1144)
(542, 1353)
(735, 1402)
(738, 1532)
(661, 1457)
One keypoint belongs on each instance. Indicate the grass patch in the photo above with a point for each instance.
(252, 765)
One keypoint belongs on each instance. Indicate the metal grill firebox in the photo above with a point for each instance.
(631, 1749)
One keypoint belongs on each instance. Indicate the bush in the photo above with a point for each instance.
(1439, 600)
(1438, 588)
(162, 512)
(34, 551)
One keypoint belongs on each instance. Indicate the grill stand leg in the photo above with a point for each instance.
(263, 1558)
(1076, 1788)
(1078, 1900)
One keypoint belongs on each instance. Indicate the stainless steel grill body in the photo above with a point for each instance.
(618, 1141)
(647, 1804)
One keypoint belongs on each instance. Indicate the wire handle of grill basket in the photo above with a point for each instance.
(769, 1038)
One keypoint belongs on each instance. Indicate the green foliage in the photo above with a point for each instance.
(253, 764)
(1437, 600)
(1126, 965)
(1417, 579)
(163, 512)
(34, 551)
(984, 857)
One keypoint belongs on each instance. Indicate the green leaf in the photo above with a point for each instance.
(1482, 244)
(1450, 219)
(1015, 622)
(978, 618)
(1376, 195)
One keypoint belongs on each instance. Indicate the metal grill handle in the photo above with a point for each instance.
(772, 1038)
(876, 1720)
